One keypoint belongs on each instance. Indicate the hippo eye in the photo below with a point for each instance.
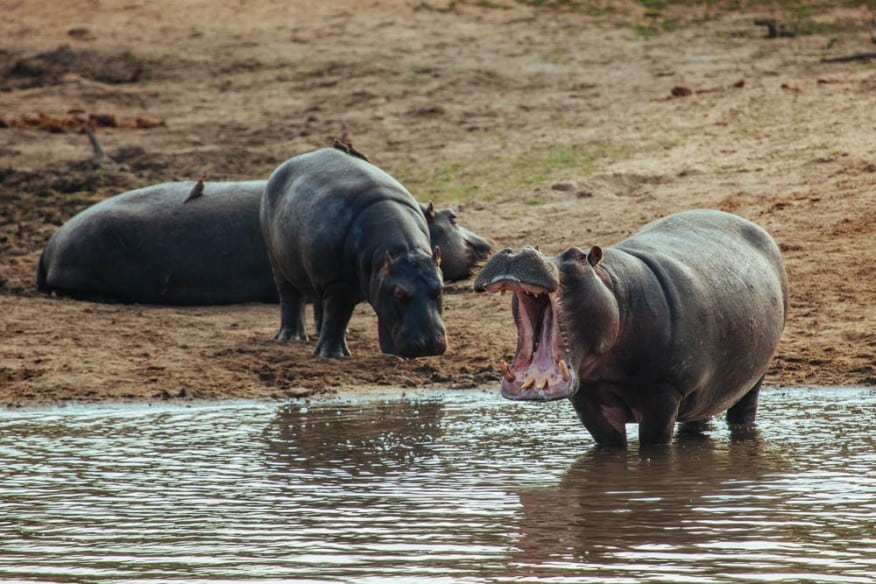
(400, 294)
(582, 257)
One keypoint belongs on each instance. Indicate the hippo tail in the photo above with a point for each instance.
(42, 274)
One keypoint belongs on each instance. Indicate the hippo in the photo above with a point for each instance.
(148, 246)
(461, 249)
(678, 322)
(195, 243)
(339, 230)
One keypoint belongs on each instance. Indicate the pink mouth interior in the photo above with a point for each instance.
(540, 369)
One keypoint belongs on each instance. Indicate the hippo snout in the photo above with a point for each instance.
(423, 346)
(528, 267)
(478, 246)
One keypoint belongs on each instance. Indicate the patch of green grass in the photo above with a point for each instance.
(644, 30)
(492, 5)
(497, 175)
(654, 5)
(763, 53)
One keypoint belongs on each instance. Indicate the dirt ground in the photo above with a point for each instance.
(553, 125)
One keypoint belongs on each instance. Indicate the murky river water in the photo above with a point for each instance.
(451, 487)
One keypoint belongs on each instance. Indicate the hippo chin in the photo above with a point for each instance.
(338, 230)
(676, 323)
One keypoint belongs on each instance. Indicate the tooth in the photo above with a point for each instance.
(528, 383)
(506, 372)
(542, 384)
(563, 370)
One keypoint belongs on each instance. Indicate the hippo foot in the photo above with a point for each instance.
(285, 334)
(332, 350)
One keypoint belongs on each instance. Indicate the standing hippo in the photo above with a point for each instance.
(676, 323)
(155, 245)
(338, 230)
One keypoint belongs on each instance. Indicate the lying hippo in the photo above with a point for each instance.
(150, 246)
(676, 323)
(339, 230)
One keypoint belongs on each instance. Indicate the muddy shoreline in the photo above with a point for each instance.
(539, 125)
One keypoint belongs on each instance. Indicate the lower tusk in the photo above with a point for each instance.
(506, 372)
(542, 384)
(564, 371)
(528, 383)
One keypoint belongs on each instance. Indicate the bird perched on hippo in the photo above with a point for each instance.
(678, 322)
(338, 230)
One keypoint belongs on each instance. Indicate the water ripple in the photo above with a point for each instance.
(453, 487)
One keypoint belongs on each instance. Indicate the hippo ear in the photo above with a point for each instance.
(385, 267)
(429, 212)
(595, 255)
(436, 255)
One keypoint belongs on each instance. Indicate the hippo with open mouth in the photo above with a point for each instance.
(676, 323)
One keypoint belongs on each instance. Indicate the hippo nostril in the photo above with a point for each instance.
(478, 249)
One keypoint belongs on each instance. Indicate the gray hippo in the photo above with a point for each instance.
(148, 246)
(155, 245)
(676, 323)
(339, 230)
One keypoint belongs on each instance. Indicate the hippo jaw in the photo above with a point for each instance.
(542, 369)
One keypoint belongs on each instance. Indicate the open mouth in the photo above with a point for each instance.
(540, 370)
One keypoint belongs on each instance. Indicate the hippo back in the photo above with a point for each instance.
(323, 211)
(719, 280)
(150, 246)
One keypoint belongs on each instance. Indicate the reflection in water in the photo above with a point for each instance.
(614, 502)
(365, 436)
(437, 488)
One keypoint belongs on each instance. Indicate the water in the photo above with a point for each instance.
(450, 487)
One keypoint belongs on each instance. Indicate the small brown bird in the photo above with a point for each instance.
(197, 190)
(345, 145)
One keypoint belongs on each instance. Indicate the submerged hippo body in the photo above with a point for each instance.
(676, 323)
(339, 230)
(150, 245)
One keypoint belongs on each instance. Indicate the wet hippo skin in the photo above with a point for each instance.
(676, 323)
(339, 230)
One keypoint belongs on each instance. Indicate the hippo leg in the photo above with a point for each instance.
(337, 308)
(658, 416)
(745, 410)
(291, 313)
(317, 314)
(606, 422)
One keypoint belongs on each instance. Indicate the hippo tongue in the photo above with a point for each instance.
(539, 371)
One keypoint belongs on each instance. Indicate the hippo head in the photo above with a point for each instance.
(406, 295)
(461, 249)
(565, 313)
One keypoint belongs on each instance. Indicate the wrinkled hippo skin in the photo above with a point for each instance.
(676, 323)
(339, 230)
(150, 246)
